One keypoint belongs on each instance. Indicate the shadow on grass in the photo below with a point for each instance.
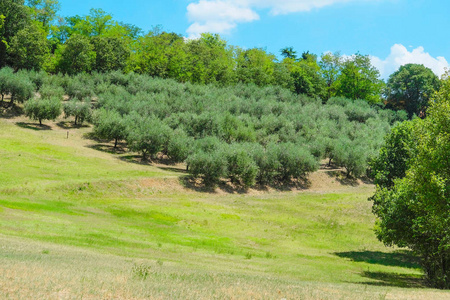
(10, 112)
(341, 177)
(70, 125)
(173, 169)
(227, 186)
(34, 126)
(395, 280)
(109, 148)
(402, 258)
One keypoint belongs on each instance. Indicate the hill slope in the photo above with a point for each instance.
(78, 222)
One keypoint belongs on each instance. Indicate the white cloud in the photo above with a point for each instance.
(220, 16)
(400, 56)
(280, 7)
(217, 16)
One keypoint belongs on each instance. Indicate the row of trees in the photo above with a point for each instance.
(34, 37)
(242, 132)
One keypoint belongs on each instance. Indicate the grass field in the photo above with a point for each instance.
(77, 222)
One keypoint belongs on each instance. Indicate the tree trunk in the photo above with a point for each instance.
(115, 143)
(40, 122)
(11, 102)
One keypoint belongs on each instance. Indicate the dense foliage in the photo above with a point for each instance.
(245, 133)
(33, 37)
(248, 134)
(412, 197)
(411, 87)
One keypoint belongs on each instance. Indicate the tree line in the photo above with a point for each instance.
(34, 37)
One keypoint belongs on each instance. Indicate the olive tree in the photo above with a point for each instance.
(43, 109)
(110, 125)
(80, 110)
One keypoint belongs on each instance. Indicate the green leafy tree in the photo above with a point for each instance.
(77, 56)
(411, 88)
(394, 157)
(241, 168)
(112, 53)
(209, 60)
(50, 91)
(160, 54)
(289, 52)
(44, 11)
(16, 17)
(255, 66)
(179, 146)
(353, 155)
(330, 66)
(43, 109)
(2, 23)
(359, 80)
(29, 49)
(305, 74)
(414, 212)
(295, 162)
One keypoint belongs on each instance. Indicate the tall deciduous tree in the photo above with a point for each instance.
(415, 211)
(15, 18)
(330, 66)
(411, 88)
(77, 56)
(29, 48)
(255, 66)
(359, 79)
(111, 53)
(289, 52)
(44, 11)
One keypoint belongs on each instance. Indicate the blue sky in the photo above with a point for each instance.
(392, 32)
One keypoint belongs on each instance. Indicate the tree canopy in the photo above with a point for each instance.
(411, 88)
(413, 211)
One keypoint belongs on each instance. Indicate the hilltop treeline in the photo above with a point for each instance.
(33, 36)
(245, 133)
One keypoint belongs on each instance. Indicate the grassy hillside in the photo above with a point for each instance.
(78, 222)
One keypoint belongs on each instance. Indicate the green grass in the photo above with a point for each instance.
(79, 222)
